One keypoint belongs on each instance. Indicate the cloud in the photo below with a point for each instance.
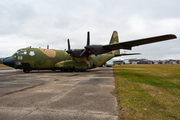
(13, 16)
(43, 22)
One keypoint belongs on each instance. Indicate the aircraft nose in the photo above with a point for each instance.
(9, 61)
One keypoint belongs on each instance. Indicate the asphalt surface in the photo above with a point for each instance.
(49, 95)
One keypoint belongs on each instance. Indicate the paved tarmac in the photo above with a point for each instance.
(54, 95)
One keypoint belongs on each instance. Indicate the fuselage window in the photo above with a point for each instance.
(20, 57)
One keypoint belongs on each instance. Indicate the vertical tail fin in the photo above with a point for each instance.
(114, 39)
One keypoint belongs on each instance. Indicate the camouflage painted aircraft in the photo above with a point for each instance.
(75, 59)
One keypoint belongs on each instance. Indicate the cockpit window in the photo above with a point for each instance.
(21, 52)
(17, 52)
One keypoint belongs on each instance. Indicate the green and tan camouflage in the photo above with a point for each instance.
(48, 59)
(38, 59)
(114, 40)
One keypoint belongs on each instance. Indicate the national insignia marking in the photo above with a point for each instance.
(31, 53)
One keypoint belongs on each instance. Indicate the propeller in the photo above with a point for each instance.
(74, 52)
(88, 47)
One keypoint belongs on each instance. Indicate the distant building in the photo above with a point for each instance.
(173, 62)
(119, 62)
(1, 60)
(134, 62)
(145, 61)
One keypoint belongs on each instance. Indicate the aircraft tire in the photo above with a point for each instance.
(26, 71)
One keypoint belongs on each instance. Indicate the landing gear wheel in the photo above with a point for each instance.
(26, 71)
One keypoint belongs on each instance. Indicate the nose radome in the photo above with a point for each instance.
(9, 61)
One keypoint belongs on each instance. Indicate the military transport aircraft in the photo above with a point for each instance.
(75, 59)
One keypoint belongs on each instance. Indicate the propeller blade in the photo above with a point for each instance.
(69, 51)
(94, 52)
(88, 42)
(91, 50)
(88, 38)
(82, 52)
(69, 47)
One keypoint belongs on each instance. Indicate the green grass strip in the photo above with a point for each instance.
(2, 65)
(148, 91)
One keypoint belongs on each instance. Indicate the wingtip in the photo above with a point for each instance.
(173, 36)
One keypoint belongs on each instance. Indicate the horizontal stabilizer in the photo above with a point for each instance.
(124, 54)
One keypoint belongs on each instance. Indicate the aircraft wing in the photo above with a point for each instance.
(129, 44)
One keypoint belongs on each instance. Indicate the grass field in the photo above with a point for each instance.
(148, 91)
(2, 65)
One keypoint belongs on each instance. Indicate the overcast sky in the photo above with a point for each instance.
(39, 23)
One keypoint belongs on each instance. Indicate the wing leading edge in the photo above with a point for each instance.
(129, 44)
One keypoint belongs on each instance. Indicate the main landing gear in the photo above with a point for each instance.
(26, 70)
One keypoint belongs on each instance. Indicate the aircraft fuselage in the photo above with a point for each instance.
(42, 59)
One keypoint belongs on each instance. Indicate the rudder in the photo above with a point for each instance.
(115, 39)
